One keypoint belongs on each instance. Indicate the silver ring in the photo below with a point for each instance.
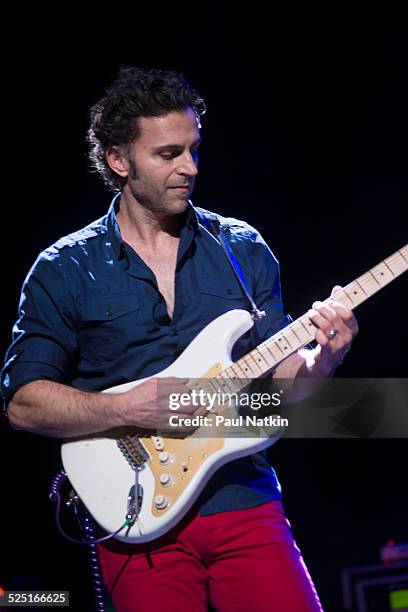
(332, 334)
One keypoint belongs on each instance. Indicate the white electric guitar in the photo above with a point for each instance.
(140, 487)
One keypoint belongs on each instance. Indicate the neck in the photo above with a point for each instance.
(143, 225)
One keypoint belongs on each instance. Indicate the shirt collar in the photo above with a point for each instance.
(113, 227)
(118, 245)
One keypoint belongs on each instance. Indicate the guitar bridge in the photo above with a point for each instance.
(133, 451)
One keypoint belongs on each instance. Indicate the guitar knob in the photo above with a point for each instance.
(164, 457)
(165, 479)
(161, 502)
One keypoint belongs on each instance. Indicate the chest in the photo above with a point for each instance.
(123, 328)
(163, 265)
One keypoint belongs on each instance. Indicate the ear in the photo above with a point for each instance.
(117, 161)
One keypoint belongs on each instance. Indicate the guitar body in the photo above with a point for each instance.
(103, 478)
(173, 471)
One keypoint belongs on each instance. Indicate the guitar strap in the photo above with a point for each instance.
(213, 225)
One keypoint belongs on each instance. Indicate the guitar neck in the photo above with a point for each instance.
(297, 334)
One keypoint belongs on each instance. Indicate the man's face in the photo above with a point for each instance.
(163, 162)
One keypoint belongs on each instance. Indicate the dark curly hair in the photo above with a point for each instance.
(136, 92)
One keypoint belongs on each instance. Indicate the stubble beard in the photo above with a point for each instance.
(160, 204)
(167, 203)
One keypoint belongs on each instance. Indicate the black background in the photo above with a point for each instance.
(305, 137)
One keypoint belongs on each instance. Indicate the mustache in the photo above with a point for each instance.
(187, 185)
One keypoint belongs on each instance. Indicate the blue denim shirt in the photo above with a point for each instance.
(91, 316)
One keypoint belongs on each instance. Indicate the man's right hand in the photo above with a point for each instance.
(148, 405)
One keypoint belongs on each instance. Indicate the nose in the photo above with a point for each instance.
(188, 165)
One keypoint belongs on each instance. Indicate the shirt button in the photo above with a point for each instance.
(173, 332)
(108, 312)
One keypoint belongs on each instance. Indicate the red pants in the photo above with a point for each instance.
(239, 561)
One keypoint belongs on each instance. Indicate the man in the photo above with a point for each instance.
(118, 301)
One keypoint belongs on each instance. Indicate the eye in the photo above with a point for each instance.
(168, 154)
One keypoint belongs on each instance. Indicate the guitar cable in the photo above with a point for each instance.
(87, 527)
(54, 495)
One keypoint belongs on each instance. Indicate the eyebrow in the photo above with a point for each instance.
(165, 147)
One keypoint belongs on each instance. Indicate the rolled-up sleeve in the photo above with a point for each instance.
(44, 336)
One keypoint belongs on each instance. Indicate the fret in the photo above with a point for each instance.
(228, 383)
(300, 332)
(377, 281)
(404, 254)
(382, 273)
(233, 383)
(368, 284)
(253, 364)
(344, 298)
(308, 327)
(260, 358)
(236, 370)
(398, 262)
(245, 366)
(212, 385)
(282, 344)
(268, 356)
(217, 385)
(291, 337)
(241, 383)
(392, 262)
(273, 350)
(355, 294)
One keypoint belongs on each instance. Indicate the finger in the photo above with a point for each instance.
(184, 402)
(326, 311)
(201, 411)
(328, 318)
(325, 319)
(322, 339)
(332, 346)
(345, 313)
(172, 381)
(177, 379)
(335, 290)
(173, 385)
(193, 408)
(324, 307)
(346, 316)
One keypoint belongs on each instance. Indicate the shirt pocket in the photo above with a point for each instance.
(220, 293)
(222, 288)
(108, 324)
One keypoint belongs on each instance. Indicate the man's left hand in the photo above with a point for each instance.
(336, 328)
